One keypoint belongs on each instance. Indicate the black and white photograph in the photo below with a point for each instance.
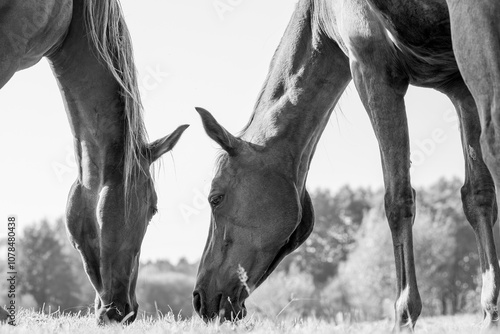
(237, 166)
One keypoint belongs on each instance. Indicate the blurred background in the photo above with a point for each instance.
(215, 54)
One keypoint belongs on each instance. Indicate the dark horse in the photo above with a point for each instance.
(111, 202)
(261, 210)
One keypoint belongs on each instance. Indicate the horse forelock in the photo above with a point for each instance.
(220, 159)
(110, 36)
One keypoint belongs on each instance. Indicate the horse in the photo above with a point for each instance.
(260, 208)
(113, 198)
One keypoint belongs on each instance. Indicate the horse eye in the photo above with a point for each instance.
(154, 210)
(216, 200)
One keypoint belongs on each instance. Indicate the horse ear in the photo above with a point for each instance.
(221, 136)
(159, 147)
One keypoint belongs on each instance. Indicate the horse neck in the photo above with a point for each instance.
(96, 102)
(307, 76)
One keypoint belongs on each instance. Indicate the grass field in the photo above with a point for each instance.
(32, 322)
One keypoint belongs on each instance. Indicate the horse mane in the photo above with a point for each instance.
(323, 17)
(108, 32)
(220, 159)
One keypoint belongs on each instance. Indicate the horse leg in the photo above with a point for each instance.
(475, 32)
(84, 235)
(478, 198)
(382, 94)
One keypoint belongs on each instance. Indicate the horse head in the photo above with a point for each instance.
(258, 217)
(108, 225)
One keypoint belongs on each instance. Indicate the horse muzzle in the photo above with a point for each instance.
(116, 313)
(220, 305)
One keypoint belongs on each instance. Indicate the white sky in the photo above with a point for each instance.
(218, 61)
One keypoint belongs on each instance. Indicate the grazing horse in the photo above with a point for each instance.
(261, 210)
(113, 199)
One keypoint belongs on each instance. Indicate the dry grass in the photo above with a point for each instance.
(32, 322)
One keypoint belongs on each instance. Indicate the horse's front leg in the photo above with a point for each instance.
(383, 97)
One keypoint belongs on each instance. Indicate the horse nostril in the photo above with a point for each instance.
(197, 302)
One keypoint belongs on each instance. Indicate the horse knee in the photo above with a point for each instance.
(400, 209)
(479, 203)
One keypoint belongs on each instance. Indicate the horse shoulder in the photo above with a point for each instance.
(32, 28)
(361, 30)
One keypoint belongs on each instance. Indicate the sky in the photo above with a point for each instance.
(213, 54)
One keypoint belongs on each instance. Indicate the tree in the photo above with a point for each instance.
(441, 202)
(44, 270)
(292, 295)
(83, 289)
(445, 255)
(165, 291)
(337, 218)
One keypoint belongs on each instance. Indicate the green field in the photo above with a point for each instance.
(32, 322)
